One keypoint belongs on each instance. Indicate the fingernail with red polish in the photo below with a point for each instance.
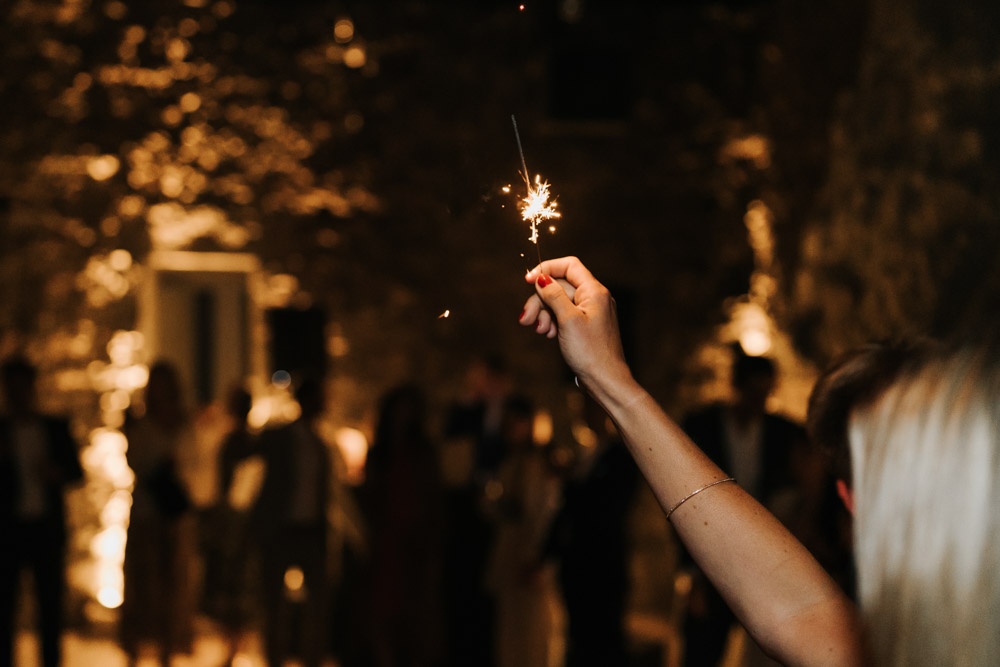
(521, 316)
(543, 280)
(538, 324)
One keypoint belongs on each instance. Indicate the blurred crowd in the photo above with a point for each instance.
(473, 537)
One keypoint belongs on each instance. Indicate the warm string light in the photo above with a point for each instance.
(535, 207)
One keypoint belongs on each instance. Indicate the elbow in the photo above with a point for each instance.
(828, 635)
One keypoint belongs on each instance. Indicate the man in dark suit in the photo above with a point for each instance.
(755, 447)
(290, 517)
(38, 459)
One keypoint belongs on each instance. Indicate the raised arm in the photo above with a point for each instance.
(790, 606)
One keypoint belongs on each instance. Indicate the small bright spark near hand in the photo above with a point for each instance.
(536, 207)
(446, 313)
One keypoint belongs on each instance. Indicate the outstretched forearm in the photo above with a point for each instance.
(778, 591)
(787, 602)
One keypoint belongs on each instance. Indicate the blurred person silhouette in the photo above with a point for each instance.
(474, 420)
(522, 582)
(478, 412)
(588, 538)
(756, 447)
(402, 501)
(348, 613)
(160, 554)
(229, 591)
(38, 460)
(290, 520)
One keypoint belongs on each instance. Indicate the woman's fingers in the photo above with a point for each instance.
(529, 314)
(556, 300)
(535, 315)
(544, 323)
(534, 306)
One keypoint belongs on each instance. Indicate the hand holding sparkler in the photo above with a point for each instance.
(770, 580)
(569, 303)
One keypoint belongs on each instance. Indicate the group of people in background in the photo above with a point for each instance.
(450, 568)
(443, 569)
(468, 530)
(526, 526)
(265, 563)
(460, 540)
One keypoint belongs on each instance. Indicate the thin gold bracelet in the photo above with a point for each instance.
(695, 493)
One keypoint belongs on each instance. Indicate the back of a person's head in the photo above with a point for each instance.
(926, 470)
(162, 400)
(855, 380)
(164, 382)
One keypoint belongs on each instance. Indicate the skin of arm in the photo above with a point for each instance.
(790, 606)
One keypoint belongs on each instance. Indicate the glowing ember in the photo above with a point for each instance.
(446, 313)
(536, 207)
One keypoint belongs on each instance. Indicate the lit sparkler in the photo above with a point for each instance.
(535, 207)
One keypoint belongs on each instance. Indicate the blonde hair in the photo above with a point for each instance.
(926, 466)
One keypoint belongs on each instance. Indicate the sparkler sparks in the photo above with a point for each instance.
(535, 207)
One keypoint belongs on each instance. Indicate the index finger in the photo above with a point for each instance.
(569, 268)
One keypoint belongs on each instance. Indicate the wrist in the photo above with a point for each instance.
(615, 389)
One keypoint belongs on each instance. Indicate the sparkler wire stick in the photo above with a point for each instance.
(520, 150)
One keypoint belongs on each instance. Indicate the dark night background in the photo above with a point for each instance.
(364, 170)
(378, 186)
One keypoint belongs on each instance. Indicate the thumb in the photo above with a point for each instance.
(555, 297)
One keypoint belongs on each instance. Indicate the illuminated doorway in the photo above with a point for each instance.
(197, 312)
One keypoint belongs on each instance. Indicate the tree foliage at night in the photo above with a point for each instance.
(368, 163)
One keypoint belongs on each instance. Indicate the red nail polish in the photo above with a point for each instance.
(543, 280)
(521, 316)
(538, 324)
